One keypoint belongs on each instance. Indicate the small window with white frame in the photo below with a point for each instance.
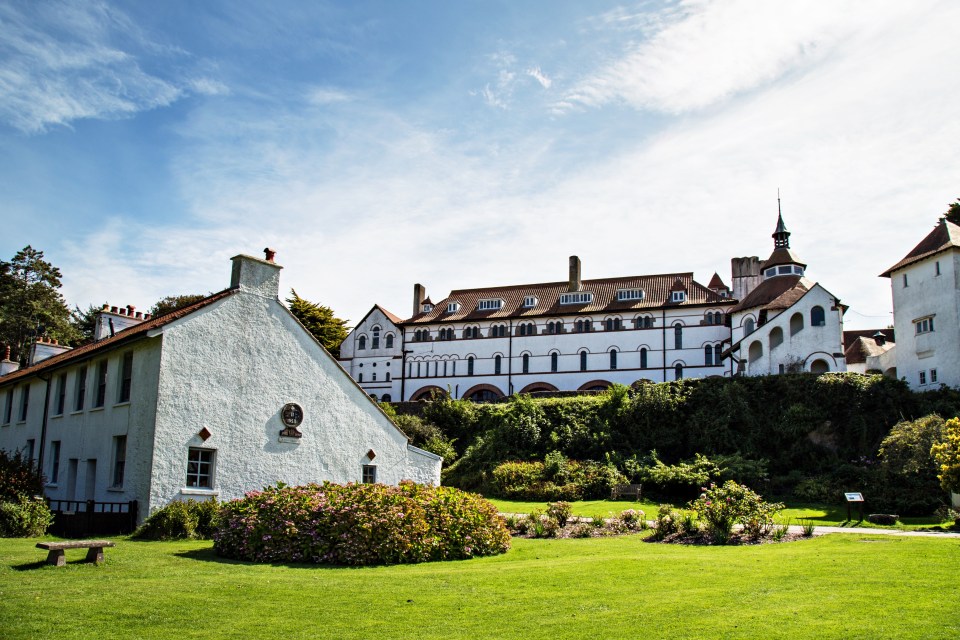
(923, 325)
(453, 307)
(489, 304)
(933, 376)
(369, 474)
(200, 466)
(529, 302)
(923, 377)
(119, 460)
(582, 297)
(624, 295)
(678, 296)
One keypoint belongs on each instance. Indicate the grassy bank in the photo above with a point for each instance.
(847, 586)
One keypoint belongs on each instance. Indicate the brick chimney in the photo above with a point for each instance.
(45, 348)
(256, 275)
(112, 320)
(574, 274)
(7, 365)
(419, 295)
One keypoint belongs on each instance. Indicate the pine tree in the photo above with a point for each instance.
(953, 212)
(30, 303)
(329, 330)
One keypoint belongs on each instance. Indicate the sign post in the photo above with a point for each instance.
(854, 498)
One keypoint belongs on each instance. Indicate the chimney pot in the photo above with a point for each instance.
(138, 315)
(106, 306)
(114, 310)
(269, 253)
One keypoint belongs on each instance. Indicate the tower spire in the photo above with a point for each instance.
(781, 237)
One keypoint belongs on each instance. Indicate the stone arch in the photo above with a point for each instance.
(595, 385)
(538, 386)
(427, 393)
(819, 366)
(755, 352)
(482, 393)
(776, 338)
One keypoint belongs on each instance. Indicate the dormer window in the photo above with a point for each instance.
(576, 298)
(530, 302)
(427, 307)
(453, 307)
(624, 295)
(678, 296)
(490, 304)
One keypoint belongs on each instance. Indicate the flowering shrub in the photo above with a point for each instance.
(720, 508)
(633, 519)
(24, 518)
(559, 511)
(668, 522)
(359, 524)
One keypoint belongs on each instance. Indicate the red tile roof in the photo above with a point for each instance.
(782, 255)
(716, 282)
(656, 290)
(121, 337)
(944, 236)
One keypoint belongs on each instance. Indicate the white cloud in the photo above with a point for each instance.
(540, 77)
(705, 52)
(64, 61)
(327, 95)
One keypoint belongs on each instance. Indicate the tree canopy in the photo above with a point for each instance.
(319, 320)
(172, 303)
(31, 304)
(953, 212)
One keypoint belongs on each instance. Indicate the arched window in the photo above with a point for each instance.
(678, 371)
(559, 326)
(360, 377)
(708, 355)
(817, 317)
(643, 358)
(388, 376)
(678, 336)
(583, 361)
(819, 366)
(470, 366)
(553, 362)
(386, 397)
(755, 352)
(526, 363)
(748, 326)
(613, 358)
(389, 341)
(796, 323)
(776, 338)
(579, 326)
(497, 363)
(374, 376)
(362, 343)
(376, 337)
(716, 354)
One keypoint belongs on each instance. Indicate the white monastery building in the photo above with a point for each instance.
(583, 334)
(224, 396)
(926, 310)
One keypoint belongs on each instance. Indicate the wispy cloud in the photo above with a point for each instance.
(540, 77)
(63, 61)
(700, 53)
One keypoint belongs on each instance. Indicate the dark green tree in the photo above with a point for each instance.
(953, 212)
(172, 303)
(85, 322)
(30, 303)
(319, 320)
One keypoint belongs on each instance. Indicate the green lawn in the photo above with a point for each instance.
(818, 514)
(839, 586)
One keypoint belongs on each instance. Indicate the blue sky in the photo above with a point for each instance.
(465, 144)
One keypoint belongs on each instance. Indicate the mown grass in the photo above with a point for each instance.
(818, 514)
(839, 586)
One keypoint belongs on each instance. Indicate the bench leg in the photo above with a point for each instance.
(95, 555)
(56, 558)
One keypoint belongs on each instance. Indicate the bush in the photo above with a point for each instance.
(947, 456)
(181, 521)
(720, 508)
(360, 524)
(668, 522)
(18, 477)
(559, 511)
(531, 481)
(24, 518)
(633, 519)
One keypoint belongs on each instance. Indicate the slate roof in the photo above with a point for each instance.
(782, 255)
(779, 292)
(864, 347)
(121, 337)
(850, 336)
(656, 290)
(944, 236)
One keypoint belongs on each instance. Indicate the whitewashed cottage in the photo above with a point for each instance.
(224, 396)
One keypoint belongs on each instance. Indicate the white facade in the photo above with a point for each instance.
(203, 413)
(926, 310)
(493, 342)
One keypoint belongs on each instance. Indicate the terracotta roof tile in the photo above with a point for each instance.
(716, 282)
(782, 255)
(944, 236)
(656, 290)
(121, 337)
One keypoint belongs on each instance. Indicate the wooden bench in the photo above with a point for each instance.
(56, 549)
(626, 490)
